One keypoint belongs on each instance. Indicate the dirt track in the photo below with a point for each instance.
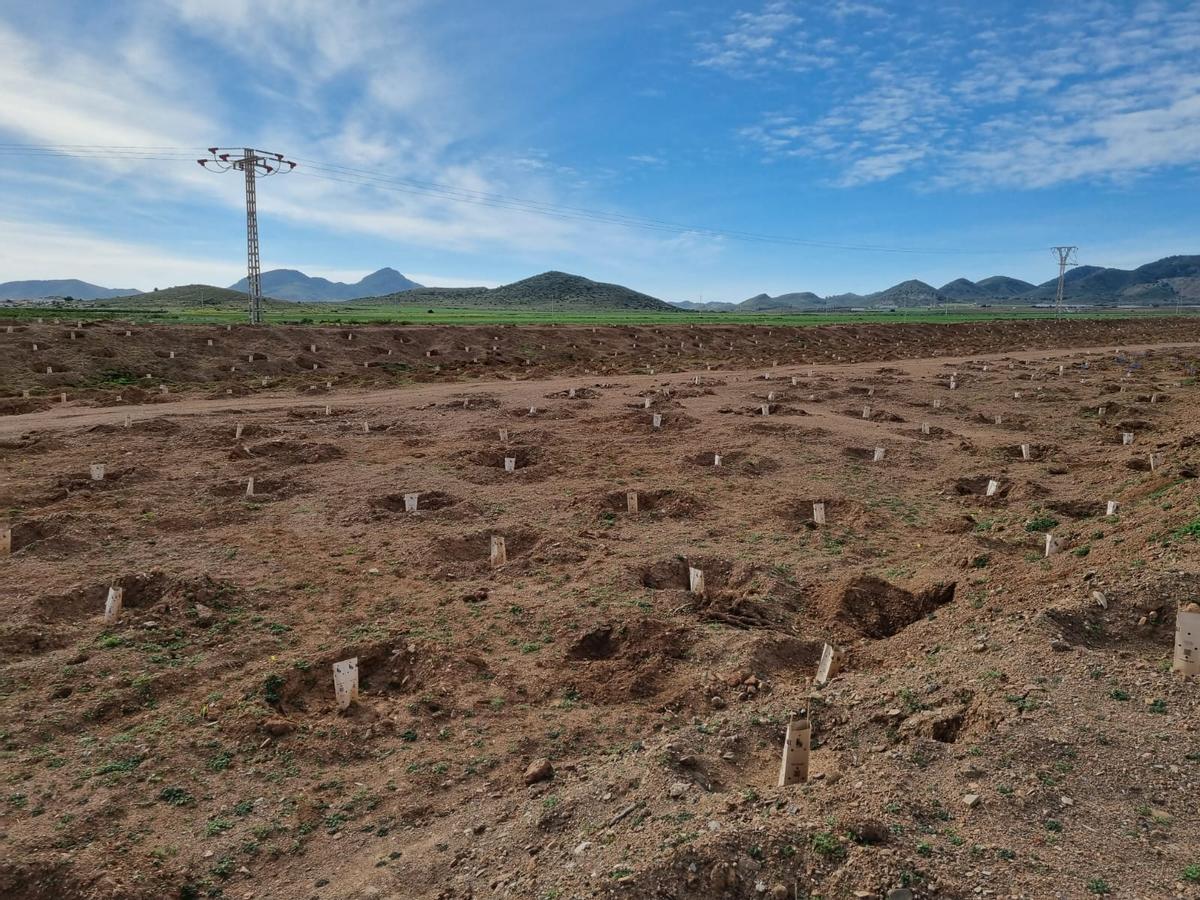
(195, 746)
(107, 363)
(67, 415)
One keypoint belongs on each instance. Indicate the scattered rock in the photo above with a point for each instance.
(539, 770)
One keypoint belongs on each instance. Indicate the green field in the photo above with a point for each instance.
(349, 313)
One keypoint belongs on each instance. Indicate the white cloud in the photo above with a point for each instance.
(33, 250)
(880, 166)
(354, 84)
(753, 39)
(847, 9)
(777, 38)
(1103, 91)
(56, 94)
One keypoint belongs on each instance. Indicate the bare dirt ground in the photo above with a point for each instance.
(102, 363)
(1005, 725)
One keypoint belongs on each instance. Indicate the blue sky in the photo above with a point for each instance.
(977, 135)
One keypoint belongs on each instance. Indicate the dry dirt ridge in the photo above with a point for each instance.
(576, 722)
(112, 362)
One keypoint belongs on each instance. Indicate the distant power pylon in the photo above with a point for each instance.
(1066, 257)
(254, 164)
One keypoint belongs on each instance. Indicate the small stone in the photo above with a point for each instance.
(204, 615)
(677, 790)
(899, 894)
(539, 770)
(1060, 645)
(971, 801)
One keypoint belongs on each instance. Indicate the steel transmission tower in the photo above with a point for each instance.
(254, 164)
(1066, 257)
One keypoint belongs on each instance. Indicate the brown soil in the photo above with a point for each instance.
(102, 364)
(195, 749)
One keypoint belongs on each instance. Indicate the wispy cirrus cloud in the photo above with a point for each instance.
(848, 9)
(786, 36)
(360, 85)
(756, 41)
(1101, 90)
(37, 248)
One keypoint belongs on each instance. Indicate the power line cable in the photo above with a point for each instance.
(452, 193)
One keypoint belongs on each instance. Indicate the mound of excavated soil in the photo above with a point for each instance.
(876, 609)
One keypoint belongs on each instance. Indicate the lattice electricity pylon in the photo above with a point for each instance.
(254, 164)
(1066, 257)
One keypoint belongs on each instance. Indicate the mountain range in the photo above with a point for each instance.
(547, 291)
(291, 284)
(60, 287)
(1166, 281)
(283, 284)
